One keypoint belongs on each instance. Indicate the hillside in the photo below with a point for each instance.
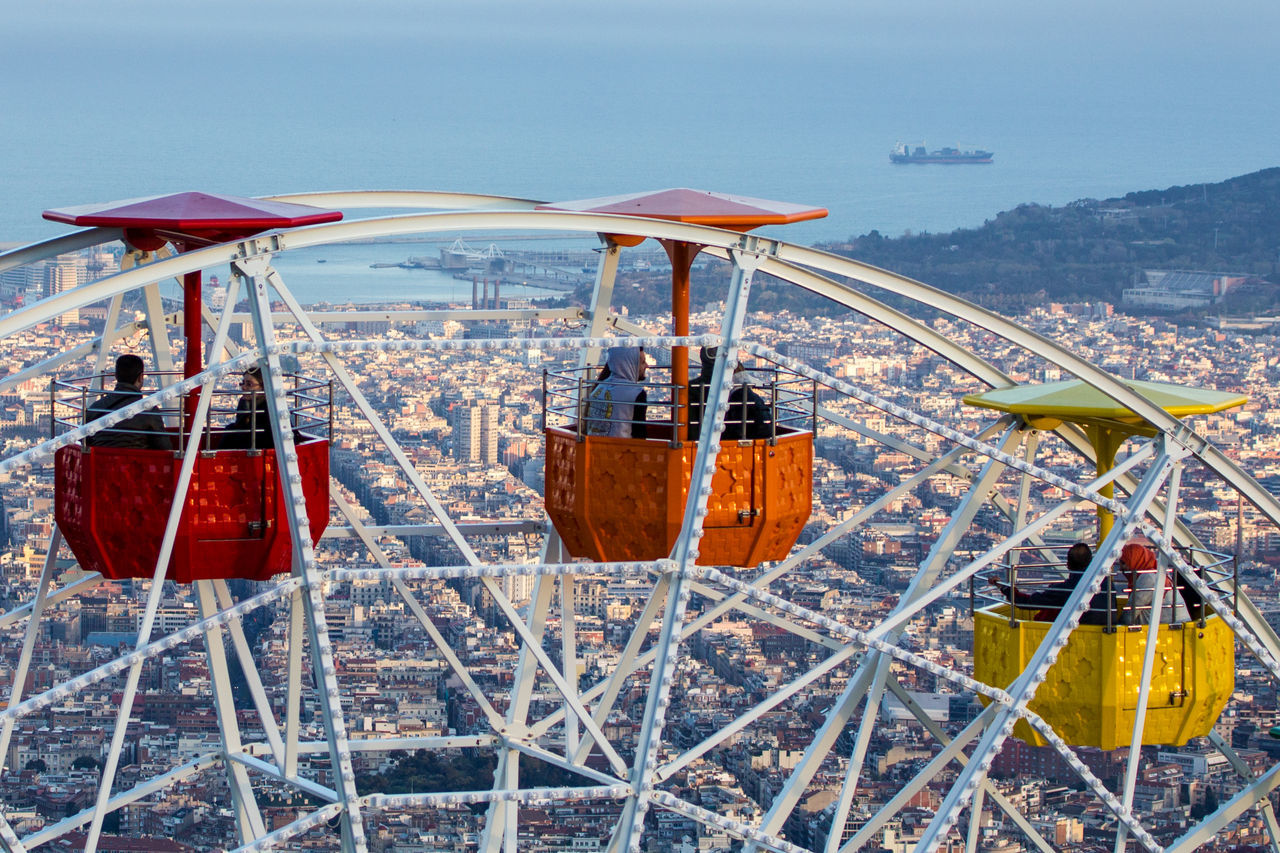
(1091, 249)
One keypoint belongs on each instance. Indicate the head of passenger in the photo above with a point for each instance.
(707, 355)
(129, 370)
(626, 364)
(1138, 559)
(251, 379)
(1079, 556)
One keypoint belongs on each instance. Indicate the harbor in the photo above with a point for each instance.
(559, 268)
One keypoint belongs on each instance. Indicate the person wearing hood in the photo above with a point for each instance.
(616, 406)
(1141, 569)
(748, 416)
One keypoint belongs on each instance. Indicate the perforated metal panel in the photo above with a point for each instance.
(1089, 694)
(112, 505)
(623, 499)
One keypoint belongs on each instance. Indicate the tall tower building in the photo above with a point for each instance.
(63, 275)
(489, 433)
(466, 431)
(475, 432)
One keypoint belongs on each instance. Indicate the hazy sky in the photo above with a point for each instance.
(483, 95)
(916, 31)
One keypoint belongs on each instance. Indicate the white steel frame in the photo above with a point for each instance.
(860, 660)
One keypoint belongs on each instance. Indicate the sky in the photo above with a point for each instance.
(568, 98)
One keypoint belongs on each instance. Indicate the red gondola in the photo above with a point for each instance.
(112, 503)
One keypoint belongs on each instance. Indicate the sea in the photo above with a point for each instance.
(364, 272)
(569, 99)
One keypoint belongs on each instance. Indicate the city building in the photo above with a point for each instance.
(475, 432)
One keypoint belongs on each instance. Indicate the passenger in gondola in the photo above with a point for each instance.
(748, 416)
(1050, 598)
(251, 428)
(585, 396)
(1141, 570)
(144, 430)
(616, 405)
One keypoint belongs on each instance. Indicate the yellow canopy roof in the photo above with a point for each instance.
(1078, 402)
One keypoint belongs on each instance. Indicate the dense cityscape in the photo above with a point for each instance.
(472, 425)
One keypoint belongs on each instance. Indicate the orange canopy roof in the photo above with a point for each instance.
(696, 207)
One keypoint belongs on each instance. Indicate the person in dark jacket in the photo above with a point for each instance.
(748, 416)
(1052, 597)
(251, 428)
(144, 430)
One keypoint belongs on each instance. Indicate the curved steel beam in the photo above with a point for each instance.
(1181, 432)
(409, 199)
(55, 246)
(422, 200)
(904, 324)
(388, 226)
(795, 256)
(982, 318)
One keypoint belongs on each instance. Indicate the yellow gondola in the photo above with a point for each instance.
(1090, 694)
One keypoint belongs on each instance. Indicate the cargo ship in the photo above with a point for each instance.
(903, 153)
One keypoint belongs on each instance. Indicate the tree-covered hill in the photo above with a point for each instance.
(1092, 249)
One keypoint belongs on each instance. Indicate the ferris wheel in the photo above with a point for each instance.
(678, 607)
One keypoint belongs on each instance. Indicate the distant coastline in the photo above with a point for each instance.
(1094, 249)
(1088, 249)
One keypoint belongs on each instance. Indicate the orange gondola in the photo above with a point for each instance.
(624, 498)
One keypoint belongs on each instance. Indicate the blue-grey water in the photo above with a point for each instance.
(346, 273)
(568, 99)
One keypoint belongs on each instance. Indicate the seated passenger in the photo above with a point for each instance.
(616, 405)
(748, 416)
(1138, 565)
(251, 428)
(144, 430)
(1053, 596)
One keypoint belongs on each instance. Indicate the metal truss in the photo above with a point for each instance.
(547, 714)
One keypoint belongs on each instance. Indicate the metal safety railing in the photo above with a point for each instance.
(1036, 579)
(236, 419)
(763, 404)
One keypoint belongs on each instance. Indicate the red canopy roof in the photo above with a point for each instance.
(204, 216)
(697, 207)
